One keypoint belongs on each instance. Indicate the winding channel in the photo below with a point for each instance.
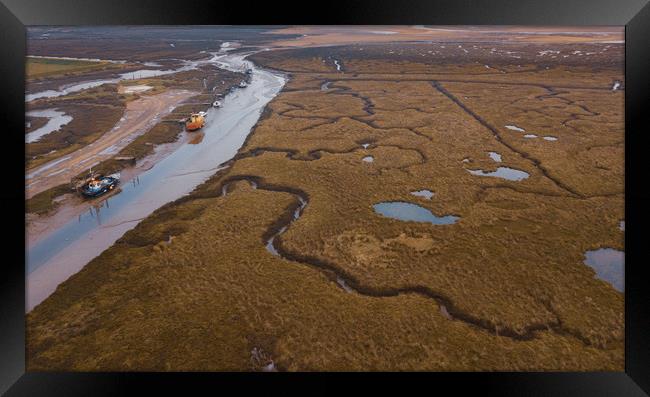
(84, 85)
(67, 250)
(347, 282)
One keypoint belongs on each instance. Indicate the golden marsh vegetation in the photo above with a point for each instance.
(193, 287)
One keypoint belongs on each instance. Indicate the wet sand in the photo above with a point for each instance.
(72, 206)
(63, 251)
(140, 115)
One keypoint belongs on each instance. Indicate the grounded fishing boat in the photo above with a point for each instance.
(195, 121)
(97, 185)
(242, 84)
(216, 104)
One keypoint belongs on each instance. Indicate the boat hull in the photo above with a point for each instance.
(195, 123)
(110, 183)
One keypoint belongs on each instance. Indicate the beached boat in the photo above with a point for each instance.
(217, 104)
(242, 84)
(195, 121)
(98, 185)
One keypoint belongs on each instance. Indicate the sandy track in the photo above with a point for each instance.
(140, 115)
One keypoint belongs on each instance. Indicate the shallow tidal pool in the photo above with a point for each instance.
(404, 211)
(424, 193)
(609, 265)
(510, 174)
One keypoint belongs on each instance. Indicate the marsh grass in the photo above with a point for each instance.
(52, 67)
(509, 272)
(93, 111)
(80, 106)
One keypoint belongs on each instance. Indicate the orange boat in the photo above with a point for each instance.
(195, 121)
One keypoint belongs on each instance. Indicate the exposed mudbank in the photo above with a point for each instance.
(56, 257)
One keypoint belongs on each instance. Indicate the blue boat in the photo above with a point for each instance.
(99, 185)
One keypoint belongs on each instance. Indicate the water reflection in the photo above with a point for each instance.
(510, 174)
(427, 194)
(609, 265)
(65, 251)
(495, 156)
(56, 120)
(404, 211)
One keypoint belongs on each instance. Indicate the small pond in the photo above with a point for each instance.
(427, 194)
(609, 265)
(404, 211)
(510, 174)
(495, 156)
(515, 128)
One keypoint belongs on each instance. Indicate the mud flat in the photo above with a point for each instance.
(84, 85)
(140, 115)
(68, 249)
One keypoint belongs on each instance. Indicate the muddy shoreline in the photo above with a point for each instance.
(39, 227)
(121, 216)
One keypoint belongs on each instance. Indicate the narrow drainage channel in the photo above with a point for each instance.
(69, 248)
(349, 284)
(138, 74)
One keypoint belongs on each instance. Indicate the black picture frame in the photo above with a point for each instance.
(634, 14)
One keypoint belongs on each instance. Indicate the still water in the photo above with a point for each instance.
(609, 265)
(404, 211)
(65, 251)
